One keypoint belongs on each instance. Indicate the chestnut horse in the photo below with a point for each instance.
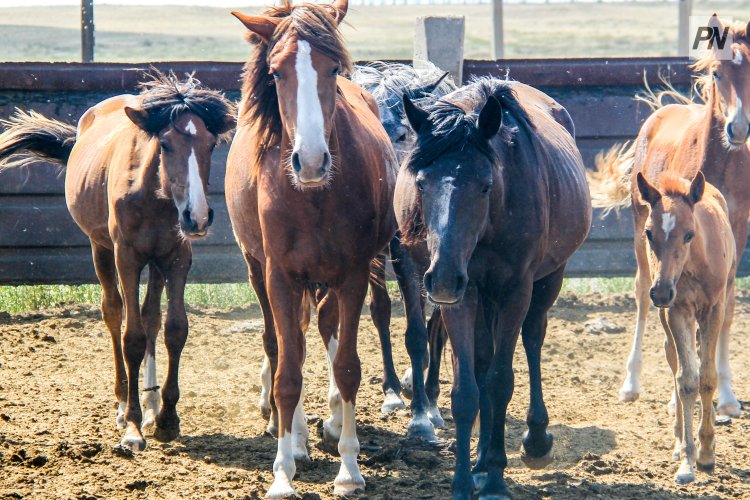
(494, 200)
(692, 260)
(711, 137)
(137, 169)
(309, 185)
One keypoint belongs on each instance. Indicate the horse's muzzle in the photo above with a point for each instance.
(192, 228)
(662, 296)
(445, 287)
(311, 173)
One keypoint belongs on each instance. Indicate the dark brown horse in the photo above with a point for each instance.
(135, 182)
(493, 202)
(309, 186)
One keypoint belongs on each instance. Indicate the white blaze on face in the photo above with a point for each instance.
(444, 202)
(737, 59)
(190, 128)
(309, 139)
(196, 194)
(667, 224)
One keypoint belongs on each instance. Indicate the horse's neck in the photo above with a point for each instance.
(145, 168)
(715, 154)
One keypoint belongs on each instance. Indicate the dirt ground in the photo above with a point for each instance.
(57, 427)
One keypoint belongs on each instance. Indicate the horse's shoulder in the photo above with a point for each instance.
(105, 109)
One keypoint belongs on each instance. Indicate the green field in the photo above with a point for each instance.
(138, 34)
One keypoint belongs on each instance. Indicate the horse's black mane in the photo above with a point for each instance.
(165, 97)
(454, 122)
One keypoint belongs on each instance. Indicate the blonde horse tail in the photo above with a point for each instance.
(610, 182)
(30, 136)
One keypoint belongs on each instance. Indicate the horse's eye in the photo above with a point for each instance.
(717, 77)
(276, 75)
(486, 188)
(649, 236)
(335, 71)
(689, 236)
(164, 146)
(420, 186)
(401, 138)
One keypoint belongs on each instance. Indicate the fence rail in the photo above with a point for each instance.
(40, 243)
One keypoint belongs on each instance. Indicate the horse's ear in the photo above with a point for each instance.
(341, 6)
(648, 192)
(138, 116)
(229, 123)
(262, 26)
(715, 22)
(426, 90)
(417, 117)
(490, 118)
(697, 187)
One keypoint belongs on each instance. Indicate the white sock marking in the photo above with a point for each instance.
(349, 478)
(265, 385)
(668, 222)
(332, 426)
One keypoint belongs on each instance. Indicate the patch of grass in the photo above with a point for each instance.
(25, 298)
(583, 286)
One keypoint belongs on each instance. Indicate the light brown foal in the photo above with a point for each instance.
(136, 177)
(691, 256)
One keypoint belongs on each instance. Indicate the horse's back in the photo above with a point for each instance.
(102, 128)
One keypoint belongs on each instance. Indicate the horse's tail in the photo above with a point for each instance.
(610, 182)
(30, 136)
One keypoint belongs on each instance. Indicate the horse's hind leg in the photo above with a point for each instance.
(436, 337)
(104, 263)
(175, 271)
(151, 317)
(728, 403)
(266, 403)
(631, 388)
(416, 339)
(380, 311)
(328, 324)
(537, 442)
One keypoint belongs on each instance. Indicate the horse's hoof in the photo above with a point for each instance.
(120, 421)
(265, 412)
(407, 389)
(149, 421)
(280, 489)
(435, 417)
(503, 494)
(731, 409)
(167, 432)
(272, 430)
(676, 456)
(345, 485)
(420, 427)
(330, 436)
(685, 474)
(133, 442)
(392, 402)
(480, 479)
(629, 395)
(672, 408)
(537, 454)
(707, 467)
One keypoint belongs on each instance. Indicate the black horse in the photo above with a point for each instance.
(492, 202)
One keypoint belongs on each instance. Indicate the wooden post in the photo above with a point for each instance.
(440, 40)
(87, 31)
(684, 9)
(498, 51)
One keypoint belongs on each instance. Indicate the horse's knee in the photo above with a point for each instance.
(175, 334)
(348, 374)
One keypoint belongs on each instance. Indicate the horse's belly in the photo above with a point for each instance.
(86, 198)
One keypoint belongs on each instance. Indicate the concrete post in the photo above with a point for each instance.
(440, 40)
(684, 9)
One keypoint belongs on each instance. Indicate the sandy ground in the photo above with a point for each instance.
(57, 426)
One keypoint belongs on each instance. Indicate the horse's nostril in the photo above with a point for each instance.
(186, 215)
(326, 161)
(671, 294)
(210, 217)
(428, 281)
(460, 284)
(651, 293)
(296, 163)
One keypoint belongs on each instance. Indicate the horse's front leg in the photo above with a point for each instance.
(416, 340)
(537, 442)
(176, 270)
(285, 297)
(459, 322)
(728, 405)
(348, 374)
(129, 266)
(500, 383)
(710, 332)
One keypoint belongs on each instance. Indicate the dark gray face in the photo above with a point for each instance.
(455, 195)
(393, 118)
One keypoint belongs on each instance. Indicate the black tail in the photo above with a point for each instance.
(30, 136)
